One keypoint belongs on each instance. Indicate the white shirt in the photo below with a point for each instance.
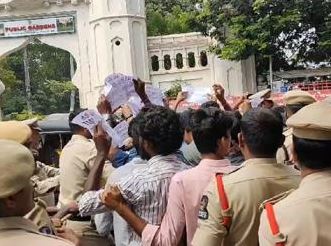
(146, 191)
(90, 204)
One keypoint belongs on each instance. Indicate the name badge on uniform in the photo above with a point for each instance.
(203, 212)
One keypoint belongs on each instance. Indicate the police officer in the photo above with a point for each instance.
(46, 178)
(294, 101)
(303, 217)
(22, 134)
(232, 214)
(16, 199)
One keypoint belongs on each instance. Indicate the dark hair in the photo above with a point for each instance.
(313, 154)
(208, 126)
(236, 126)
(162, 128)
(262, 129)
(185, 119)
(73, 127)
(210, 104)
(295, 108)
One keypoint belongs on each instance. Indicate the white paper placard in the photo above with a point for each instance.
(155, 95)
(119, 89)
(256, 102)
(122, 132)
(135, 105)
(199, 95)
(88, 119)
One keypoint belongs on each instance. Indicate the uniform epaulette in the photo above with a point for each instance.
(276, 199)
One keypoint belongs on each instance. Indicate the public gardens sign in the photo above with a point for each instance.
(42, 26)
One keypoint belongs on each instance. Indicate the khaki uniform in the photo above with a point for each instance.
(44, 181)
(246, 189)
(17, 231)
(303, 216)
(284, 154)
(76, 161)
(39, 216)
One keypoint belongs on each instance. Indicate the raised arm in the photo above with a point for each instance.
(102, 143)
(220, 95)
(139, 87)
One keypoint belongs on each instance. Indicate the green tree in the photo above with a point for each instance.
(170, 17)
(50, 81)
(293, 32)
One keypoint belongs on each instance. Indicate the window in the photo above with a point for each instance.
(167, 62)
(191, 59)
(203, 58)
(179, 61)
(155, 63)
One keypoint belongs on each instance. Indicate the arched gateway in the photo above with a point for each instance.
(109, 36)
(104, 36)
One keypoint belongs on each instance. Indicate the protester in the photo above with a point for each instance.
(211, 130)
(16, 200)
(189, 149)
(236, 157)
(294, 101)
(234, 199)
(146, 190)
(76, 161)
(90, 203)
(302, 217)
(219, 93)
(46, 178)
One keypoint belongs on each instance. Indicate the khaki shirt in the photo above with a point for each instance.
(76, 161)
(17, 231)
(246, 189)
(282, 156)
(39, 216)
(303, 216)
(44, 181)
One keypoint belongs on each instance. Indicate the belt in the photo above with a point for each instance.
(79, 218)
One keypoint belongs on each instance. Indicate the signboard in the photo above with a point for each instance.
(31, 27)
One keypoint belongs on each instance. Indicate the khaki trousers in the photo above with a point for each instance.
(87, 234)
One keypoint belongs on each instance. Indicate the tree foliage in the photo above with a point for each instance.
(293, 31)
(170, 17)
(50, 81)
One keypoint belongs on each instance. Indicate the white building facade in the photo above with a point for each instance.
(109, 36)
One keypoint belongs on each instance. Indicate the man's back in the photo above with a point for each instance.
(147, 189)
(246, 189)
(15, 231)
(76, 159)
(306, 211)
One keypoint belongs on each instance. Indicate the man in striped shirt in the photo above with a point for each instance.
(146, 191)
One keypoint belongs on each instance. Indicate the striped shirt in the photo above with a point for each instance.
(146, 190)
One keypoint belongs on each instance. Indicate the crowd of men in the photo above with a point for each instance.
(252, 174)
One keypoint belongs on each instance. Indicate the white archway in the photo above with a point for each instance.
(93, 42)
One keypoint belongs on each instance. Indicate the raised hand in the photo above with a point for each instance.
(219, 91)
(102, 141)
(104, 106)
